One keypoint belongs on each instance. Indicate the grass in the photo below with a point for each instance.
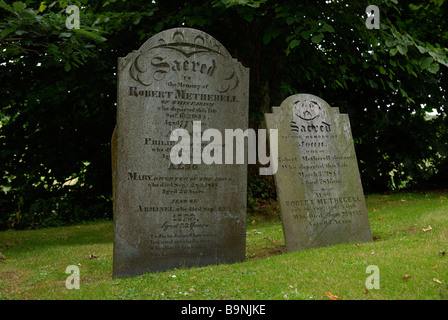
(410, 265)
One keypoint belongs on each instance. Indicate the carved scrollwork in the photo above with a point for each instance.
(307, 109)
(187, 54)
(309, 117)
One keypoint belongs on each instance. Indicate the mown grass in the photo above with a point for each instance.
(409, 260)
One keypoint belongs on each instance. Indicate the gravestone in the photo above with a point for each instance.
(318, 183)
(170, 215)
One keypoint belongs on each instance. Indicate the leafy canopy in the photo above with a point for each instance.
(58, 90)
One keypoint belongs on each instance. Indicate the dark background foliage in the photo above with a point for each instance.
(58, 89)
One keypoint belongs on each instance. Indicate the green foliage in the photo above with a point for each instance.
(42, 31)
(58, 90)
(259, 187)
(51, 121)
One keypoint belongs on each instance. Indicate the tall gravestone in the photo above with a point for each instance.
(318, 183)
(169, 215)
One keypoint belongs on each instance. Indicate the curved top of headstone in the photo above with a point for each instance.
(306, 106)
(307, 109)
(187, 41)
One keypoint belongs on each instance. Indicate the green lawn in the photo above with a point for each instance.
(409, 260)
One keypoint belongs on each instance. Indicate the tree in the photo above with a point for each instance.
(58, 89)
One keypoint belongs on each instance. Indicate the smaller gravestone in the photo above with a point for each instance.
(318, 183)
(170, 214)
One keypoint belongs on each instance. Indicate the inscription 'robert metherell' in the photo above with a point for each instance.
(180, 94)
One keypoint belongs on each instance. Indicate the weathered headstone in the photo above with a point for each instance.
(318, 183)
(169, 215)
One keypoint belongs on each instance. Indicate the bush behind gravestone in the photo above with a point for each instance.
(59, 88)
(34, 209)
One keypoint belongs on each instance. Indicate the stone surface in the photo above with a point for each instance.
(318, 183)
(177, 215)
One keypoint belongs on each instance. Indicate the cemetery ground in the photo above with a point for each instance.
(410, 232)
